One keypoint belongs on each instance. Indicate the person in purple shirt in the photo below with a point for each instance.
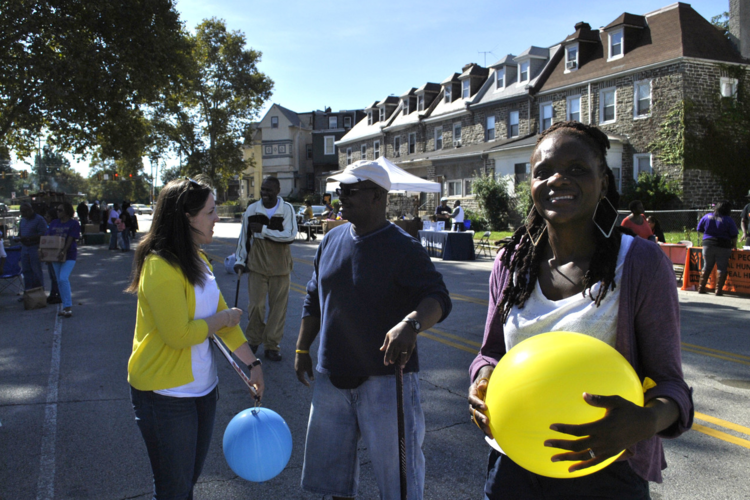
(70, 229)
(570, 268)
(719, 238)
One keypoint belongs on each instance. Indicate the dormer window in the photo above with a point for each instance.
(448, 97)
(369, 117)
(382, 114)
(571, 58)
(347, 122)
(523, 69)
(406, 106)
(616, 45)
(333, 122)
(500, 79)
(274, 122)
(420, 103)
(465, 89)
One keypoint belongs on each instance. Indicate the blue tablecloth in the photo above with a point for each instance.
(448, 245)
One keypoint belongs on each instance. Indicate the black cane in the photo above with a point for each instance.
(401, 429)
(237, 293)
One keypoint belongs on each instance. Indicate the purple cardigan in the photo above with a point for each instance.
(648, 336)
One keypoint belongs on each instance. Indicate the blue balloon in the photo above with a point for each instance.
(257, 444)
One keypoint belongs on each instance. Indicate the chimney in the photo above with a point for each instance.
(739, 25)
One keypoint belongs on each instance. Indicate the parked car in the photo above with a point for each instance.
(142, 209)
(317, 212)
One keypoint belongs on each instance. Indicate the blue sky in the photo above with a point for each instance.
(347, 53)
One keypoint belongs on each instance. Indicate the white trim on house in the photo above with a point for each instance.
(452, 184)
(602, 121)
(517, 114)
(332, 149)
(491, 128)
(571, 64)
(543, 108)
(420, 102)
(466, 89)
(637, 86)
(448, 93)
(447, 116)
(520, 71)
(568, 101)
(381, 114)
(499, 75)
(611, 37)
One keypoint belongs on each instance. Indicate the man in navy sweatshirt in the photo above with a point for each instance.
(373, 289)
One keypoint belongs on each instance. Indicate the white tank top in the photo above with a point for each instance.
(205, 377)
(573, 314)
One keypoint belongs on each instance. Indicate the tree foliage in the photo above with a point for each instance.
(657, 192)
(493, 199)
(207, 116)
(131, 183)
(82, 70)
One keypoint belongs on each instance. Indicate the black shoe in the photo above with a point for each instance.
(54, 300)
(273, 355)
(254, 348)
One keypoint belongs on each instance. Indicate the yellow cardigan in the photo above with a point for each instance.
(164, 330)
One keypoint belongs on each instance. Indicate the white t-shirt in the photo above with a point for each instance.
(574, 314)
(459, 218)
(205, 377)
(2, 247)
(272, 211)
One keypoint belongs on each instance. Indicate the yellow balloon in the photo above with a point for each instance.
(540, 382)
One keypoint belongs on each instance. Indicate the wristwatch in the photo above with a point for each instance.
(416, 325)
(254, 364)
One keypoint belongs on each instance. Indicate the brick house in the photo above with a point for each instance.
(625, 77)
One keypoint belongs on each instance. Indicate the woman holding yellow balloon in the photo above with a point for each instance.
(571, 269)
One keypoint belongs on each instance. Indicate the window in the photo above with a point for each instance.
(412, 143)
(615, 45)
(524, 70)
(574, 108)
(618, 178)
(420, 103)
(641, 165)
(347, 122)
(513, 124)
(491, 127)
(406, 106)
(522, 172)
(397, 146)
(438, 138)
(454, 188)
(456, 134)
(269, 150)
(329, 147)
(466, 89)
(348, 156)
(369, 117)
(545, 116)
(571, 58)
(642, 99)
(376, 150)
(363, 152)
(467, 187)
(728, 87)
(309, 149)
(607, 101)
(333, 122)
(274, 122)
(382, 114)
(448, 92)
(282, 149)
(500, 79)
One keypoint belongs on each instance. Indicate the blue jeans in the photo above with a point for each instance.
(506, 479)
(54, 291)
(62, 273)
(112, 236)
(31, 267)
(125, 240)
(177, 432)
(339, 418)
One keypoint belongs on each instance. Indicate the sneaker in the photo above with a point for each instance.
(254, 348)
(273, 355)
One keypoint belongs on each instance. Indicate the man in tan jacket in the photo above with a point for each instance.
(269, 226)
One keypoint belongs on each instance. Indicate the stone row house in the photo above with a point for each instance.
(625, 78)
(297, 148)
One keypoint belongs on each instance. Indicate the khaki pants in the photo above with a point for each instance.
(259, 331)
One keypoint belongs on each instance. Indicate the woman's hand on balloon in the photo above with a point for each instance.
(622, 426)
(477, 395)
(256, 380)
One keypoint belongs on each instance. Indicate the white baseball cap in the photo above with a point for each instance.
(364, 170)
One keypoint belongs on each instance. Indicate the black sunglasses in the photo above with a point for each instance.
(347, 191)
(191, 184)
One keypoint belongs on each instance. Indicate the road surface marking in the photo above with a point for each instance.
(723, 423)
(46, 484)
(722, 435)
(726, 358)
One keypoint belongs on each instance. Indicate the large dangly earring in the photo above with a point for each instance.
(529, 228)
(604, 210)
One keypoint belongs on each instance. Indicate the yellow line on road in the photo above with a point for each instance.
(455, 337)
(447, 342)
(466, 298)
(696, 351)
(722, 423)
(716, 350)
(722, 435)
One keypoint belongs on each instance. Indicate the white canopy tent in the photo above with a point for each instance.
(401, 180)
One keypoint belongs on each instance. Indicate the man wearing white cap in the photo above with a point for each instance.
(373, 289)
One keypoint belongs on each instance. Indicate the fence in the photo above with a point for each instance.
(229, 211)
(680, 220)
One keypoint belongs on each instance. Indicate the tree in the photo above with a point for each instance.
(655, 191)
(129, 183)
(208, 115)
(81, 71)
(493, 199)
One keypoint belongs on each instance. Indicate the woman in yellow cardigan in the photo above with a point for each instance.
(171, 371)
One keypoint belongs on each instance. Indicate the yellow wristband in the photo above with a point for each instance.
(300, 351)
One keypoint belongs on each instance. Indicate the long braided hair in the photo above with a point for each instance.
(522, 258)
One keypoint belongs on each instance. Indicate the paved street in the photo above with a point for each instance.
(67, 428)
